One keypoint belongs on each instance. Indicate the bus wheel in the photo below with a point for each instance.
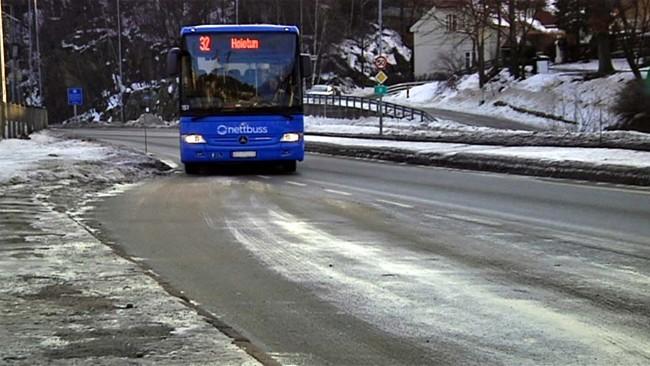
(192, 169)
(289, 166)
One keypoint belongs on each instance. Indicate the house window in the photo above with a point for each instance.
(452, 23)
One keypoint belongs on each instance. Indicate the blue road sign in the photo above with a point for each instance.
(381, 89)
(75, 96)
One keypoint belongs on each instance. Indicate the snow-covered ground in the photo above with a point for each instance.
(560, 101)
(370, 125)
(620, 64)
(65, 296)
(21, 158)
(594, 156)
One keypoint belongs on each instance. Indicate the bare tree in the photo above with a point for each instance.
(520, 15)
(633, 26)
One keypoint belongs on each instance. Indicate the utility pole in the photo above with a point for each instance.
(119, 61)
(236, 11)
(380, 47)
(2, 61)
(315, 46)
(301, 29)
(38, 54)
(380, 22)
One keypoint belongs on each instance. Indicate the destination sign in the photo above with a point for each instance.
(244, 43)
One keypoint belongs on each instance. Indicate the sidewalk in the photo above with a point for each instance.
(621, 166)
(65, 296)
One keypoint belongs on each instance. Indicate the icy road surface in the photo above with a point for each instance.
(362, 263)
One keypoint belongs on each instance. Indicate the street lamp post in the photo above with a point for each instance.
(38, 54)
(119, 61)
(2, 62)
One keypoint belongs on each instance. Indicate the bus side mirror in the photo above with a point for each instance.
(173, 62)
(305, 60)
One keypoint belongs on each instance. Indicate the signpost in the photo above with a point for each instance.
(381, 89)
(75, 98)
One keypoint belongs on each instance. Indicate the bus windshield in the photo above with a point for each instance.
(240, 73)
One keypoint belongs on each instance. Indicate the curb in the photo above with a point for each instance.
(499, 164)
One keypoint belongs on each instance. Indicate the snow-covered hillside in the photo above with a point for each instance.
(563, 101)
(358, 54)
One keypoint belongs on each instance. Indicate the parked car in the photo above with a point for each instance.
(321, 89)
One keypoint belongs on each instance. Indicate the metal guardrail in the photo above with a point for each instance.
(19, 121)
(390, 110)
(404, 86)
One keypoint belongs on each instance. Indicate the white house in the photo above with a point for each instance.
(441, 43)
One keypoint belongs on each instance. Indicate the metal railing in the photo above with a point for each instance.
(393, 89)
(19, 121)
(390, 110)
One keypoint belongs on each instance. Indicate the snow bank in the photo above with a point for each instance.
(599, 156)
(19, 157)
(370, 125)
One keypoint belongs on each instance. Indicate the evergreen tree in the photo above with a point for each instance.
(572, 18)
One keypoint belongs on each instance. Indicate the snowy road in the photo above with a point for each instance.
(361, 263)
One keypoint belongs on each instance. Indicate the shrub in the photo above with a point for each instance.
(633, 105)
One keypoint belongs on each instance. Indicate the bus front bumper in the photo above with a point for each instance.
(203, 153)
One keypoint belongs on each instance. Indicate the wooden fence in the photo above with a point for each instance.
(18, 121)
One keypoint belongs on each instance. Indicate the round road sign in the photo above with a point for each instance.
(381, 62)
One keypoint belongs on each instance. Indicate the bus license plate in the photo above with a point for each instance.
(244, 154)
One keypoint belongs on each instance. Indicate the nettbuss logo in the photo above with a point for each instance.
(244, 44)
(241, 130)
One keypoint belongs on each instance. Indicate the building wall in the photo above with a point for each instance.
(435, 47)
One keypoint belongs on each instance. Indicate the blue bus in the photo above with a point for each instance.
(240, 95)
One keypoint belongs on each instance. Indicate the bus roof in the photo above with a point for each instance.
(230, 28)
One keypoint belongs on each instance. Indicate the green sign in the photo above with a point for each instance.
(381, 89)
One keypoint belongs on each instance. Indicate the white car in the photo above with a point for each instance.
(323, 90)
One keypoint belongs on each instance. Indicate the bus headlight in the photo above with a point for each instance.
(291, 137)
(194, 139)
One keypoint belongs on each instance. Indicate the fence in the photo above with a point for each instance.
(19, 121)
(335, 104)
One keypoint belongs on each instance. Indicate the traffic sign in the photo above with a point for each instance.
(381, 90)
(381, 62)
(381, 77)
(75, 96)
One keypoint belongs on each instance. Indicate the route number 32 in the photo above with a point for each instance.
(205, 44)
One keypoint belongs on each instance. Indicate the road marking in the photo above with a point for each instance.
(296, 183)
(338, 192)
(264, 177)
(398, 204)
